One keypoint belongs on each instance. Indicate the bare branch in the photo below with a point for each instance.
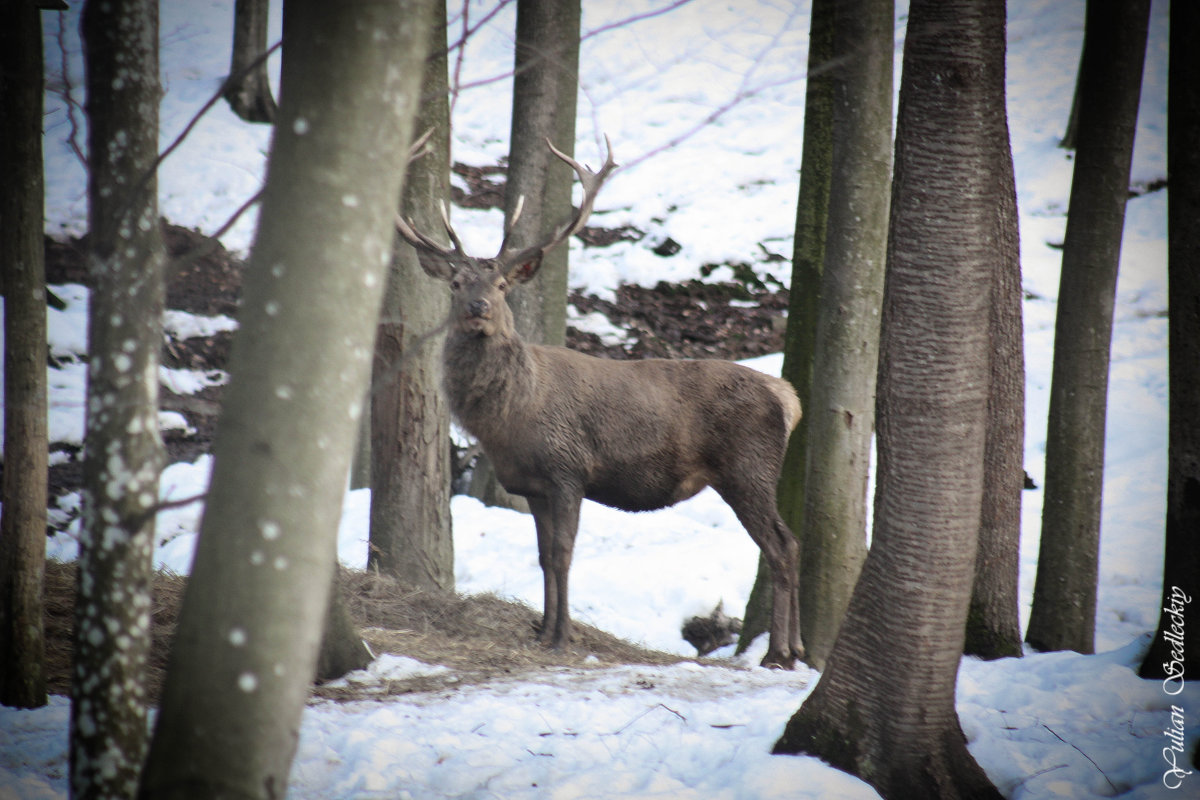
(68, 96)
(210, 244)
(636, 18)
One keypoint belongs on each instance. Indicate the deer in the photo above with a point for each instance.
(561, 426)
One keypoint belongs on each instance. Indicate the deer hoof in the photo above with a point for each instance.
(779, 661)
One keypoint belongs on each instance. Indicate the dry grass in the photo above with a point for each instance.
(481, 638)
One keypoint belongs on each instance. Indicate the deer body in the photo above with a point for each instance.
(634, 435)
(561, 426)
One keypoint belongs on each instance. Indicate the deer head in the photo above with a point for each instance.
(479, 285)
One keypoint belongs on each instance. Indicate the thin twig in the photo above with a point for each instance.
(1085, 755)
(192, 123)
(459, 87)
(627, 725)
(635, 18)
(211, 242)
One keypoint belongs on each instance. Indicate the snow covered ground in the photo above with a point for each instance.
(1051, 725)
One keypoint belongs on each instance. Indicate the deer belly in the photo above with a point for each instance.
(630, 491)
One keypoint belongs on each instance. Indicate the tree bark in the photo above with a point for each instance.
(123, 451)
(23, 282)
(804, 299)
(545, 86)
(898, 729)
(993, 621)
(1064, 595)
(248, 90)
(246, 645)
(1172, 651)
(342, 647)
(411, 536)
(841, 414)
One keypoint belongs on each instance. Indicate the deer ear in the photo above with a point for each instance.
(435, 266)
(525, 269)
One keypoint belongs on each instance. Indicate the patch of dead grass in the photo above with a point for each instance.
(481, 638)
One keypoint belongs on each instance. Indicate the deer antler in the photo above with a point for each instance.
(591, 182)
(508, 257)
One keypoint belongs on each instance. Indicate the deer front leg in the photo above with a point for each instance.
(557, 521)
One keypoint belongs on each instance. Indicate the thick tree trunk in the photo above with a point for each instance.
(248, 91)
(1176, 645)
(898, 730)
(123, 452)
(545, 88)
(841, 414)
(1064, 594)
(23, 281)
(246, 646)
(993, 624)
(808, 260)
(411, 535)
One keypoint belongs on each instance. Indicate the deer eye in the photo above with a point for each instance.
(502, 286)
(455, 285)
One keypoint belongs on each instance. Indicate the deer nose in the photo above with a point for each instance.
(478, 308)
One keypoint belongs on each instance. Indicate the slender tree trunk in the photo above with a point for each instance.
(545, 87)
(411, 535)
(804, 300)
(23, 281)
(1176, 645)
(123, 451)
(841, 414)
(1064, 594)
(993, 624)
(249, 90)
(246, 646)
(898, 729)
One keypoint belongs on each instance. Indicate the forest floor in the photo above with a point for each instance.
(482, 638)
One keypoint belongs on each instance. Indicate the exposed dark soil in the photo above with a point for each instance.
(481, 638)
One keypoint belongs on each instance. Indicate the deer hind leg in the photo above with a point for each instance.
(758, 515)
(557, 521)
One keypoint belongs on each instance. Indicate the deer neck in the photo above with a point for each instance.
(487, 379)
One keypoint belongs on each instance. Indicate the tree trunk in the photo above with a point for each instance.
(1172, 651)
(411, 535)
(342, 647)
(1064, 594)
(993, 621)
(898, 729)
(841, 414)
(808, 260)
(246, 645)
(23, 281)
(545, 86)
(123, 451)
(248, 90)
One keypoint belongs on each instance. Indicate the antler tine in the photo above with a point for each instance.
(510, 225)
(417, 148)
(458, 247)
(418, 239)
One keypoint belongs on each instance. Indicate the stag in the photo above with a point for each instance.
(560, 426)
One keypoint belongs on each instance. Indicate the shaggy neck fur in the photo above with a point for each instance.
(488, 379)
